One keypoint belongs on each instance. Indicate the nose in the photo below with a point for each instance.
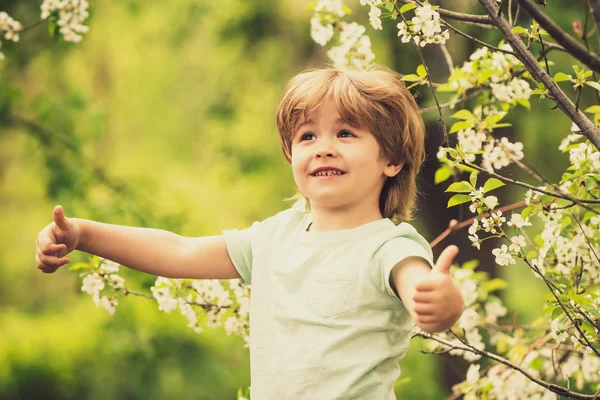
(325, 149)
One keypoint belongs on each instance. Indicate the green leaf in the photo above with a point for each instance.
(557, 312)
(411, 78)
(458, 199)
(421, 71)
(445, 87)
(525, 103)
(561, 76)
(471, 264)
(460, 126)
(593, 110)
(346, 9)
(463, 114)
(473, 178)
(460, 187)
(442, 174)
(593, 84)
(78, 266)
(407, 7)
(492, 184)
(519, 30)
(389, 6)
(496, 284)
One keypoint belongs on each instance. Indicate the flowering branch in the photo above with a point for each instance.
(455, 226)
(564, 103)
(469, 18)
(575, 48)
(429, 84)
(467, 347)
(551, 288)
(534, 188)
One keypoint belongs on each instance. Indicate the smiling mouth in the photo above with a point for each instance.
(328, 172)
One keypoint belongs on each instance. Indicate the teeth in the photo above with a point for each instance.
(328, 172)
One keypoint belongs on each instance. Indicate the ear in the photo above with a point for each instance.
(392, 170)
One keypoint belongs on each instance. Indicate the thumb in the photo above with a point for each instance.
(60, 220)
(445, 259)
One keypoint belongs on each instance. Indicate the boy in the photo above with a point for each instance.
(336, 288)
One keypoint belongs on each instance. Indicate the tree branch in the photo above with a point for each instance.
(561, 37)
(564, 103)
(467, 347)
(579, 202)
(469, 18)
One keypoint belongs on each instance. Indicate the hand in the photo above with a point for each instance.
(438, 302)
(55, 241)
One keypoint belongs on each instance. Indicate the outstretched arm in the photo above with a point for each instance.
(154, 251)
(429, 295)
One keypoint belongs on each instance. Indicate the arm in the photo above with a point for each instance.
(158, 252)
(153, 251)
(429, 295)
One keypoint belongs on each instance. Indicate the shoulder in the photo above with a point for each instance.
(403, 240)
(284, 220)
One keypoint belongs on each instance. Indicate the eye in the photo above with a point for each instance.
(345, 134)
(307, 136)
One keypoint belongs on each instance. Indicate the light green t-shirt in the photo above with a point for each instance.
(325, 323)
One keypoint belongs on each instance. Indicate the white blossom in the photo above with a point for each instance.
(517, 221)
(71, 17)
(493, 310)
(92, 284)
(375, 18)
(502, 256)
(333, 7)
(320, 33)
(9, 28)
(516, 243)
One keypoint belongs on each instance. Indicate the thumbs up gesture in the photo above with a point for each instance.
(438, 302)
(55, 241)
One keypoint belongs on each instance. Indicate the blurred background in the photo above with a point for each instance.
(163, 116)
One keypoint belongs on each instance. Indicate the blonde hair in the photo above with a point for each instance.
(374, 99)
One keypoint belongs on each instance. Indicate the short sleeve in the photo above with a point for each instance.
(239, 246)
(407, 244)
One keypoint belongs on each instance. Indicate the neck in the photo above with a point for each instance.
(333, 219)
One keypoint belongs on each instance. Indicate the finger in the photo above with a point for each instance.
(60, 219)
(52, 261)
(426, 319)
(423, 309)
(53, 249)
(427, 285)
(444, 261)
(424, 298)
(43, 267)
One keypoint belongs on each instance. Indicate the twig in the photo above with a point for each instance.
(429, 85)
(469, 18)
(551, 287)
(467, 347)
(32, 25)
(587, 127)
(454, 225)
(534, 188)
(561, 37)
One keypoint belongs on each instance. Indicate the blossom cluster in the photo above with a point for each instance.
(228, 307)
(70, 17)
(476, 139)
(494, 69)
(210, 303)
(9, 28)
(101, 281)
(424, 28)
(352, 45)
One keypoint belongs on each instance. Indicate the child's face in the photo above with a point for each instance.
(354, 171)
